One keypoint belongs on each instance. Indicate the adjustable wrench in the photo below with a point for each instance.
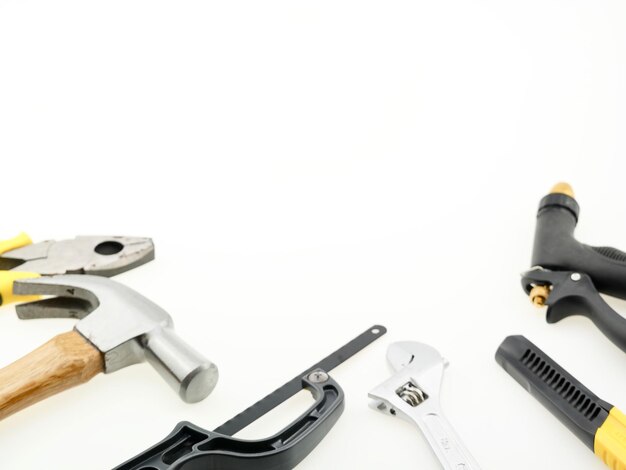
(413, 394)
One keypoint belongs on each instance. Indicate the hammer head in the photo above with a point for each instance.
(124, 325)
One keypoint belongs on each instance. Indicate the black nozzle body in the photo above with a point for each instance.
(556, 248)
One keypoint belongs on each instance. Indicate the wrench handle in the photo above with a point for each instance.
(445, 442)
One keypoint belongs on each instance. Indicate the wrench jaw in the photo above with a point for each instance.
(419, 356)
(386, 399)
(416, 382)
(416, 385)
(421, 363)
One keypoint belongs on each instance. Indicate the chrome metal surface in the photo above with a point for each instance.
(97, 255)
(124, 325)
(412, 393)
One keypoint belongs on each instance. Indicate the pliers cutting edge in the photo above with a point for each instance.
(95, 255)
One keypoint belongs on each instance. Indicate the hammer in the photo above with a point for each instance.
(118, 327)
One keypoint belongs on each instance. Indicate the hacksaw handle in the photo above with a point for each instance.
(63, 362)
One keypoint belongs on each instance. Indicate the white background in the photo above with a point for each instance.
(308, 169)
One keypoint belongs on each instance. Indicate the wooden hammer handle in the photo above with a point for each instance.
(63, 362)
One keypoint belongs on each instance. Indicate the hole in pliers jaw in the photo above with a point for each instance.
(108, 248)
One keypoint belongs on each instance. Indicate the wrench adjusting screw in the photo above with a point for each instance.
(411, 394)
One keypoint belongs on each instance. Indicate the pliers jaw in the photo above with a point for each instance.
(95, 255)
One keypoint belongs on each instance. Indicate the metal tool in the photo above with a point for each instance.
(118, 328)
(190, 447)
(101, 256)
(600, 425)
(412, 393)
(568, 276)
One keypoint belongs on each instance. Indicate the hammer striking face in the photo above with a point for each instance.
(118, 327)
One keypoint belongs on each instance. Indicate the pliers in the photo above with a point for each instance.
(96, 255)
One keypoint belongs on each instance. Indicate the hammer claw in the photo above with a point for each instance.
(56, 307)
(59, 286)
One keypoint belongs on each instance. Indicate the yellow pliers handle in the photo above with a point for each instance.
(7, 277)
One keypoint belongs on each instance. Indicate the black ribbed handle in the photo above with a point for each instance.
(564, 396)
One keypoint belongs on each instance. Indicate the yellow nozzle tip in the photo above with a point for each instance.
(563, 188)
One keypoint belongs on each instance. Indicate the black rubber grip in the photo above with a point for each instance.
(564, 396)
(610, 253)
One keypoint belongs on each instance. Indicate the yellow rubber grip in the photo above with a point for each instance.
(6, 287)
(16, 242)
(610, 440)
